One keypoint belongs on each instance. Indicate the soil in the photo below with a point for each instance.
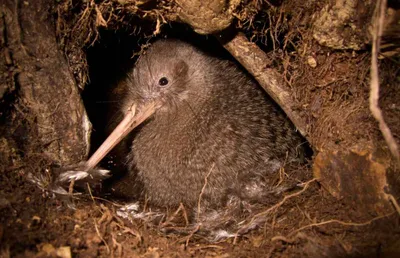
(306, 221)
(309, 224)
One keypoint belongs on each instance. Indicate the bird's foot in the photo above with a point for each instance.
(78, 172)
(61, 181)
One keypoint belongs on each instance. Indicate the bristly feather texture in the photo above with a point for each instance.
(216, 136)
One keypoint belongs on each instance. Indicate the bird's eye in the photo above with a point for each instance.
(163, 81)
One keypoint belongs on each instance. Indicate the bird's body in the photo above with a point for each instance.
(215, 134)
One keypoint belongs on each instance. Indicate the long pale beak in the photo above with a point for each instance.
(130, 121)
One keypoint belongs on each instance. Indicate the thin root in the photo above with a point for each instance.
(374, 92)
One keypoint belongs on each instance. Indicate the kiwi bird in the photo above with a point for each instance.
(209, 131)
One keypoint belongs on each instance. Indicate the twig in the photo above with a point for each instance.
(260, 217)
(283, 239)
(121, 226)
(19, 26)
(202, 191)
(191, 234)
(106, 218)
(201, 247)
(116, 244)
(90, 193)
(108, 201)
(180, 208)
(99, 17)
(257, 63)
(341, 223)
(287, 197)
(102, 239)
(394, 202)
(374, 92)
(290, 239)
(71, 186)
